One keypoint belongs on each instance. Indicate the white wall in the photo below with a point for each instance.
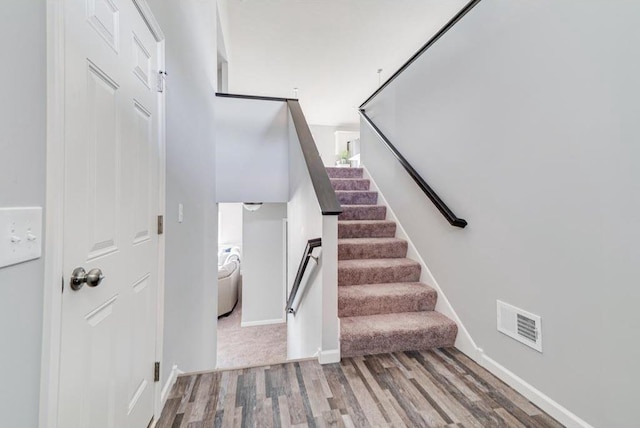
(325, 138)
(304, 329)
(314, 329)
(252, 150)
(22, 183)
(230, 223)
(263, 258)
(191, 246)
(331, 49)
(527, 128)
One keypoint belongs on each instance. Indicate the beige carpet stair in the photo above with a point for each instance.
(373, 334)
(381, 303)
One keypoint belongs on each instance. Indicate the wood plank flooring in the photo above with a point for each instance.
(440, 388)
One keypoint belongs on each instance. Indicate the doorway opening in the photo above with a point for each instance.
(252, 274)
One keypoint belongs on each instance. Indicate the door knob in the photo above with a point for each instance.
(79, 277)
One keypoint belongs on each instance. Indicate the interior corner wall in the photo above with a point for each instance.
(524, 119)
(22, 183)
(252, 150)
(191, 246)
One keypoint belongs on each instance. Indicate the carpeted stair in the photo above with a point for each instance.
(382, 305)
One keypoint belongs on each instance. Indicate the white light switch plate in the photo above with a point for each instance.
(20, 235)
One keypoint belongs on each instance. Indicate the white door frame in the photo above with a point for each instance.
(54, 210)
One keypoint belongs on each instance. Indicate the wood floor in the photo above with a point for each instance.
(441, 388)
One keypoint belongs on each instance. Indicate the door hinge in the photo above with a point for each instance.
(160, 224)
(156, 372)
(161, 78)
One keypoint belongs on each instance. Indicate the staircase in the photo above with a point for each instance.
(381, 303)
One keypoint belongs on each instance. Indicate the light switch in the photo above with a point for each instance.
(180, 213)
(20, 235)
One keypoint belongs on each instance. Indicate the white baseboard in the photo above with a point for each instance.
(329, 357)
(466, 344)
(537, 397)
(262, 322)
(166, 389)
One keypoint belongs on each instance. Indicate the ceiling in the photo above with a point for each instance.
(330, 49)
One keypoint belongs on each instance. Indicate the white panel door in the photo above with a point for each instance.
(111, 198)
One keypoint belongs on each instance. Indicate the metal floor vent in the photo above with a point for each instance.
(520, 325)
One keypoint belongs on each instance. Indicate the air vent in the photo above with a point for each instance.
(520, 325)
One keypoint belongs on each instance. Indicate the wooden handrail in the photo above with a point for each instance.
(431, 194)
(252, 97)
(448, 26)
(325, 193)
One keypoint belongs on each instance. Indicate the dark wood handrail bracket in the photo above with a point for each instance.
(308, 254)
(431, 194)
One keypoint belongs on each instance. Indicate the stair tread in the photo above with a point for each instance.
(356, 191)
(376, 263)
(338, 172)
(367, 241)
(340, 168)
(366, 229)
(357, 197)
(377, 271)
(366, 222)
(372, 299)
(371, 248)
(341, 184)
(386, 290)
(363, 212)
(367, 206)
(405, 331)
(397, 322)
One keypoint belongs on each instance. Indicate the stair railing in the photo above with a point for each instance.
(431, 194)
(453, 219)
(325, 193)
(448, 26)
(308, 254)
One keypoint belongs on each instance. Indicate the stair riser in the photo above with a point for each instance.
(371, 305)
(384, 230)
(434, 337)
(357, 198)
(372, 212)
(345, 172)
(372, 251)
(378, 275)
(343, 184)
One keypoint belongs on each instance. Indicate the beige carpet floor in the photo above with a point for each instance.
(249, 346)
